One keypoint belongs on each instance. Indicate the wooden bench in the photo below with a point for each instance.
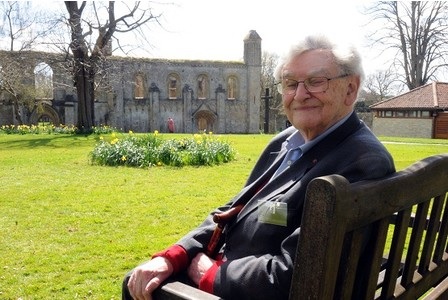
(377, 239)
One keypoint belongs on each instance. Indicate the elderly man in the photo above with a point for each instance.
(253, 258)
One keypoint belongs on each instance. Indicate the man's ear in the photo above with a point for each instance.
(352, 90)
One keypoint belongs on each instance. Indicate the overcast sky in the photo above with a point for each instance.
(215, 29)
(205, 29)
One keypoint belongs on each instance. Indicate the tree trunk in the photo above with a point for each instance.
(17, 114)
(84, 82)
(83, 69)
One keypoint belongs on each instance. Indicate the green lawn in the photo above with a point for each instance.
(70, 230)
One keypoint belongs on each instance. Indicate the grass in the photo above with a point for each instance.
(407, 151)
(71, 230)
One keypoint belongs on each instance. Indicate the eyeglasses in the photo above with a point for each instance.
(313, 84)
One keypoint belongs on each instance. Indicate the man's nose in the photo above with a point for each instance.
(301, 90)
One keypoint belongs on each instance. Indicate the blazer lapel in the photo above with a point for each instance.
(279, 184)
(297, 170)
(249, 191)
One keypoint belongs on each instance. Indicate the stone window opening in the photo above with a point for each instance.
(139, 87)
(173, 86)
(202, 87)
(232, 87)
(43, 81)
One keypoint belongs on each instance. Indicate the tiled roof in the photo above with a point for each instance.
(433, 96)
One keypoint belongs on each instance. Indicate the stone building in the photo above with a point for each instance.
(141, 94)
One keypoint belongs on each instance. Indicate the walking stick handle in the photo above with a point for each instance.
(225, 217)
(221, 219)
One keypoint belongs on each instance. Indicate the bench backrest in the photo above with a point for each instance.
(349, 248)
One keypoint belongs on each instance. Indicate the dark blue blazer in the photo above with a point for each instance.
(259, 256)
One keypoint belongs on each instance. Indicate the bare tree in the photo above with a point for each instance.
(381, 85)
(22, 27)
(418, 31)
(268, 65)
(88, 57)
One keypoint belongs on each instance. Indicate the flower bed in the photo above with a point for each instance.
(154, 150)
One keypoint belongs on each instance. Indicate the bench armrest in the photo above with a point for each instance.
(176, 290)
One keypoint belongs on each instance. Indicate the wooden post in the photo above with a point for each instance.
(266, 110)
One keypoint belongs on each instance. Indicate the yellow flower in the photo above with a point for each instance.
(123, 158)
(159, 163)
(101, 138)
(131, 132)
(156, 132)
(114, 141)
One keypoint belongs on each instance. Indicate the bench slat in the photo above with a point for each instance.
(418, 228)
(439, 250)
(430, 237)
(394, 263)
(374, 266)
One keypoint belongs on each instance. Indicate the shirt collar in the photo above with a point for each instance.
(296, 140)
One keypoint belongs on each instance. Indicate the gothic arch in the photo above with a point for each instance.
(204, 120)
(139, 86)
(43, 81)
(173, 83)
(45, 113)
(203, 84)
(232, 87)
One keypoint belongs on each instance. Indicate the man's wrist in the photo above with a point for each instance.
(176, 256)
(206, 282)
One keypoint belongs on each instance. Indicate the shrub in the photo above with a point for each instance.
(47, 128)
(153, 150)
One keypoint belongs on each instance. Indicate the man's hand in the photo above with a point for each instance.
(199, 265)
(147, 277)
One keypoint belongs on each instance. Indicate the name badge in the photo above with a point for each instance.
(275, 213)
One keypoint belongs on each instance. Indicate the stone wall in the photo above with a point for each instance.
(117, 105)
(134, 114)
(403, 127)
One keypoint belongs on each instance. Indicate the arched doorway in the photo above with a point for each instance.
(204, 121)
(45, 114)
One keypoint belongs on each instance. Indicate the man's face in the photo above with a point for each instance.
(314, 112)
